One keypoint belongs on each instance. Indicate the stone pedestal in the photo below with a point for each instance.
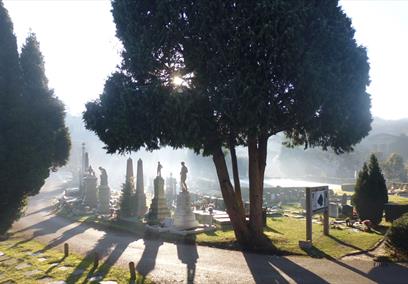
(90, 192)
(184, 217)
(158, 209)
(103, 199)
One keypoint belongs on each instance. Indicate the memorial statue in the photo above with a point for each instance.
(183, 177)
(91, 171)
(103, 176)
(159, 167)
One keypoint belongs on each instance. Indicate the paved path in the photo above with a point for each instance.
(180, 263)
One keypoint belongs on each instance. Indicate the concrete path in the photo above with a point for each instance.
(180, 263)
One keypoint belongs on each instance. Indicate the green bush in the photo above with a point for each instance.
(398, 233)
(370, 192)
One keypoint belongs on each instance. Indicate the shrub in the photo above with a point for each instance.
(397, 235)
(370, 192)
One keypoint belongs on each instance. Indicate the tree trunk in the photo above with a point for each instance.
(234, 206)
(235, 172)
(255, 190)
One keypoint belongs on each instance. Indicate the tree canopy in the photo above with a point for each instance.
(247, 69)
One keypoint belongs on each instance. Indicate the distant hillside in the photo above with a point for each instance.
(395, 127)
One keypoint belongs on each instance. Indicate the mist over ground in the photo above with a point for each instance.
(386, 137)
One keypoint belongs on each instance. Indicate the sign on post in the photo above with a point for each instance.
(317, 201)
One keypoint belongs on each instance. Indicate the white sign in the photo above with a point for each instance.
(319, 198)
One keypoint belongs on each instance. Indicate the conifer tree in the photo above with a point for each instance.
(125, 205)
(33, 136)
(49, 144)
(370, 192)
(12, 138)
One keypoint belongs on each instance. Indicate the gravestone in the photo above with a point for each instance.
(103, 193)
(184, 217)
(140, 196)
(158, 209)
(334, 210)
(90, 191)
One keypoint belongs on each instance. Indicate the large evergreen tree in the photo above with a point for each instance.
(12, 197)
(249, 70)
(33, 136)
(370, 192)
(49, 138)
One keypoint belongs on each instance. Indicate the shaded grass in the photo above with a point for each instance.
(48, 264)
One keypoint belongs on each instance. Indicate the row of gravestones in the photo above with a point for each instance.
(99, 196)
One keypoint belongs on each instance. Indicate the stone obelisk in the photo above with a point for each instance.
(129, 172)
(140, 196)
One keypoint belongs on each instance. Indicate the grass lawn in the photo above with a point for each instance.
(26, 262)
(286, 233)
(397, 199)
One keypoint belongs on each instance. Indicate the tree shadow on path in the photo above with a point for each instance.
(109, 248)
(378, 272)
(276, 269)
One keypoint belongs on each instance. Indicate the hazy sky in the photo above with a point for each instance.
(78, 42)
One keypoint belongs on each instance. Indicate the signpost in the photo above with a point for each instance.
(317, 201)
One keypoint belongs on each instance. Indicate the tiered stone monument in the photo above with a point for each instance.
(103, 193)
(90, 192)
(184, 217)
(140, 196)
(158, 209)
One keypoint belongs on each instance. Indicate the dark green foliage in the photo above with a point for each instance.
(394, 168)
(126, 204)
(397, 235)
(251, 69)
(33, 136)
(370, 192)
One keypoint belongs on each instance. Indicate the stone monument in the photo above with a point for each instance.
(90, 192)
(158, 209)
(140, 196)
(184, 217)
(129, 172)
(103, 193)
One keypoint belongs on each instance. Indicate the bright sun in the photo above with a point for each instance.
(177, 81)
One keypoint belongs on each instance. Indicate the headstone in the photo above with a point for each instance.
(158, 209)
(344, 199)
(184, 217)
(103, 193)
(140, 196)
(90, 192)
(334, 210)
(347, 211)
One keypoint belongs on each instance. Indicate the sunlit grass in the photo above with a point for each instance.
(286, 233)
(49, 263)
